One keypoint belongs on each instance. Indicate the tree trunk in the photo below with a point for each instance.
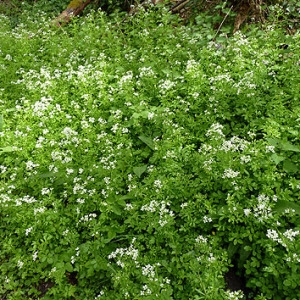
(74, 8)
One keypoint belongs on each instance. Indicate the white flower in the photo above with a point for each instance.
(69, 132)
(183, 205)
(166, 85)
(46, 191)
(125, 130)
(69, 171)
(39, 210)
(215, 129)
(245, 159)
(157, 184)
(128, 206)
(270, 149)
(28, 230)
(229, 173)
(162, 223)
(101, 293)
(65, 232)
(272, 234)
(115, 128)
(30, 165)
(34, 256)
(148, 271)
(290, 234)
(151, 115)
(234, 295)
(247, 212)
(207, 219)
(200, 239)
(211, 257)
(20, 264)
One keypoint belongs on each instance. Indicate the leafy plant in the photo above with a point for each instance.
(141, 158)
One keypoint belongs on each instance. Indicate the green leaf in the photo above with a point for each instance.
(135, 115)
(273, 141)
(290, 147)
(1, 122)
(148, 141)
(138, 171)
(6, 149)
(282, 205)
(111, 234)
(46, 175)
(232, 249)
(289, 166)
(116, 210)
(69, 267)
(49, 260)
(90, 272)
(286, 282)
(277, 158)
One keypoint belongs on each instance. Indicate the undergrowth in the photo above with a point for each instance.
(140, 160)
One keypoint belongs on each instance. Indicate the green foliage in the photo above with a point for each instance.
(140, 160)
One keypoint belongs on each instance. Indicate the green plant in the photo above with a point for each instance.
(140, 158)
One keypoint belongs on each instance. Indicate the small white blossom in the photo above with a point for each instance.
(151, 115)
(215, 129)
(207, 219)
(148, 271)
(20, 264)
(183, 205)
(34, 256)
(101, 293)
(28, 230)
(272, 234)
(65, 232)
(158, 184)
(290, 234)
(200, 239)
(229, 173)
(46, 191)
(247, 212)
(39, 210)
(30, 165)
(128, 206)
(270, 149)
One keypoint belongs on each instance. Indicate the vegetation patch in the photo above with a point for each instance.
(140, 159)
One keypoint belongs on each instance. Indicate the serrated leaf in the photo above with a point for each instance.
(289, 166)
(138, 171)
(273, 141)
(277, 158)
(148, 141)
(290, 147)
(282, 205)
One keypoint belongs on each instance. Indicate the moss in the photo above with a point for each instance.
(75, 4)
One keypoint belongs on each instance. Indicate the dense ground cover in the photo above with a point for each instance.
(141, 161)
